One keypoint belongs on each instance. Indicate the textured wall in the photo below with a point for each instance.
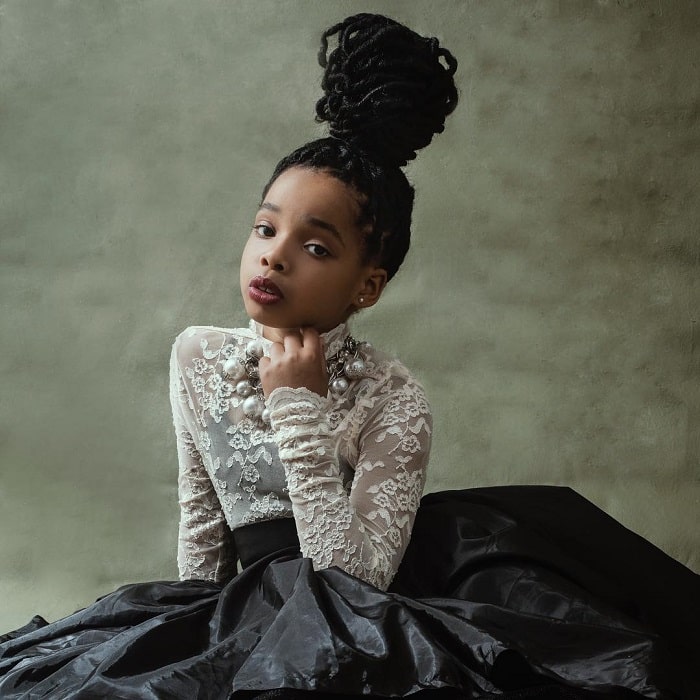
(550, 303)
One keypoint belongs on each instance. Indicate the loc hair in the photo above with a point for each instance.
(387, 92)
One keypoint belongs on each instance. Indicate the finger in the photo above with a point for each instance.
(292, 340)
(311, 339)
(314, 346)
(276, 351)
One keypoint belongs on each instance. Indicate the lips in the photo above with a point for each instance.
(264, 291)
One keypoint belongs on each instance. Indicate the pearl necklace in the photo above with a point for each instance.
(346, 365)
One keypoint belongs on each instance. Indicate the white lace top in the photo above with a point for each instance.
(350, 470)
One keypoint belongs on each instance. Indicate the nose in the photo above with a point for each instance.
(274, 256)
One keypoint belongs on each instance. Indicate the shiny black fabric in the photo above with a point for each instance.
(511, 592)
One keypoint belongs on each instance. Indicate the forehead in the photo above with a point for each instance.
(315, 193)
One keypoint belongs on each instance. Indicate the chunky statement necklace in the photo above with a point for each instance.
(346, 365)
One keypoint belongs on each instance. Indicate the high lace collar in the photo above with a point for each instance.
(332, 340)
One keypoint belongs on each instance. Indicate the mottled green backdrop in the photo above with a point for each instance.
(550, 303)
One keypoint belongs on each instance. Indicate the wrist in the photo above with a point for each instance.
(285, 400)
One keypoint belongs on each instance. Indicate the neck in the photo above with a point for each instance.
(277, 335)
(332, 339)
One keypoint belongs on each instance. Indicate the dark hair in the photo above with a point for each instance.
(387, 92)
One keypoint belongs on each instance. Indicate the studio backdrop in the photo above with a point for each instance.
(550, 303)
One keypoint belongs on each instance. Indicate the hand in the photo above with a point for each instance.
(298, 361)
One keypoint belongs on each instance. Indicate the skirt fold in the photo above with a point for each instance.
(510, 592)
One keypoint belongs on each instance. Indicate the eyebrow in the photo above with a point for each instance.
(314, 221)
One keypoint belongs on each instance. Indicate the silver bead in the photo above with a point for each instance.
(265, 416)
(343, 354)
(253, 407)
(254, 349)
(233, 369)
(339, 386)
(244, 388)
(355, 368)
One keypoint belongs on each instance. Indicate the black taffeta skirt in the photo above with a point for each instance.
(507, 592)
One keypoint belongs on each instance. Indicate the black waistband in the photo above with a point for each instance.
(253, 542)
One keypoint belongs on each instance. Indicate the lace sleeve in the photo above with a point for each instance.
(205, 544)
(366, 531)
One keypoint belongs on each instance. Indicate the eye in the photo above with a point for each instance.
(264, 231)
(317, 250)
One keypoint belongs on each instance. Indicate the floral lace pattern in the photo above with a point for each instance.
(350, 470)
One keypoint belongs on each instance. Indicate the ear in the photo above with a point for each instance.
(369, 292)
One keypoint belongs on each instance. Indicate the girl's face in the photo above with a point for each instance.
(302, 265)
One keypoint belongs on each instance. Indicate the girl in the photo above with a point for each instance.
(258, 437)
(302, 457)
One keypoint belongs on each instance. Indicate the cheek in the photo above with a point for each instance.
(248, 253)
(244, 265)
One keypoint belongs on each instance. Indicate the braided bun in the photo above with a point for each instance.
(386, 88)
